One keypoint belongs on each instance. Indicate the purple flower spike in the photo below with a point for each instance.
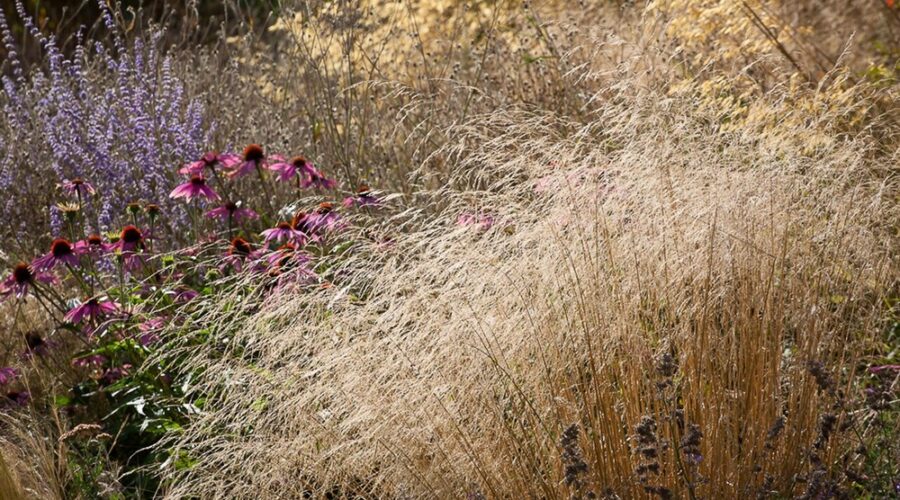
(194, 188)
(91, 309)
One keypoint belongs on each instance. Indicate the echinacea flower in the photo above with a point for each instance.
(19, 398)
(233, 211)
(78, 187)
(196, 187)
(8, 374)
(130, 239)
(312, 177)
(186, 295)
(298, 165)
(22, 277)
(35, 344)
(324, 218)
(209, 160)
(93, 244)
(252, 159)
(114, 374)
(363, 198)
(284, 232)
(239, 251)
(482, 221)
(285, 254)
(149, 330)
(133, 209)
(90, 361)
(91, 309)
(61, 252)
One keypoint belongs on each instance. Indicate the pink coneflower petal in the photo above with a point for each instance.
(78, 187)
(482, 221)
(196, 187)
(363, 198)
(91, 309)
(61, 252)
(236, 212)
(21, 278)
(91, 361)
(8, 374)
(284, 232)
(312, 177)
(18, 398)
(253, 158)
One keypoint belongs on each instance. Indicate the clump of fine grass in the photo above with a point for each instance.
(645, 266)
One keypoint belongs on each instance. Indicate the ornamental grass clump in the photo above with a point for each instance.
(669, 296)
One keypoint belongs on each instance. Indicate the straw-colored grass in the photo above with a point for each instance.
(652, 234)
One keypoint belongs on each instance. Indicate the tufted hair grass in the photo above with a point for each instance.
(665, 270)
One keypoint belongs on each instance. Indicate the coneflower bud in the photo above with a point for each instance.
(133, 208)
(152, 210)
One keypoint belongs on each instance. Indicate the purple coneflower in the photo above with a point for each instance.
(196, 187)
(284, 232)
(312, 177)
(253, 158)
(91, 309)
(287, 254)
(324, 218)
(233, 211)
(78, 187)
(362, 198)
(8, 374)
(130, 239)
(209, 160)
(93, 245)
(20, 398)
(35, 344)
(114, 374)
(186, 295)
(149, 330)
(238, 252)
(482, 221)
(61, 251)
(91, 361)
(299, 165)
(21, 278)
(878, 369)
